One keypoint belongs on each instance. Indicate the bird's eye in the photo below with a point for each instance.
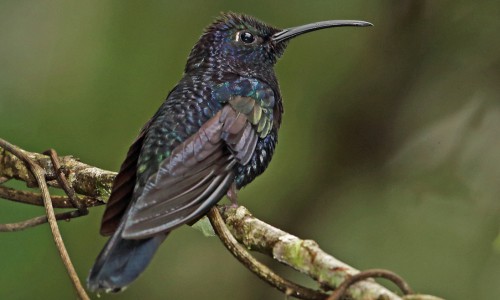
(246, 37)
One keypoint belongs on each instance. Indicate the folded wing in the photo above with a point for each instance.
(194, 177)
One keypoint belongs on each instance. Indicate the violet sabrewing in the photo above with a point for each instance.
(215, 132)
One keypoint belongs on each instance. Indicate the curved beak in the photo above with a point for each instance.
(292, 32)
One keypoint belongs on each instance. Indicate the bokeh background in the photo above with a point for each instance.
(389, 155)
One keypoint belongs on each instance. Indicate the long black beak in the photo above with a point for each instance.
(289, 33)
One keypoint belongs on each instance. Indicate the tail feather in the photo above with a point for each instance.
(121, 262)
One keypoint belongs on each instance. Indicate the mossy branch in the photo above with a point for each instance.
(94, 185)
(86, 180)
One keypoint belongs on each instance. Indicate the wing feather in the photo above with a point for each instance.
(123, 187)
(194, 177)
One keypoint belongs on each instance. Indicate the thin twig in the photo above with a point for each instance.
(38, 173)
(266, 274)
(32, 198)
(61, 179)
(375, 273)
(18, 226)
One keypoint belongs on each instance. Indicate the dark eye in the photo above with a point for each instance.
(247, 37)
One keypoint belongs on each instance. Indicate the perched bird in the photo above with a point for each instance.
(215, 132)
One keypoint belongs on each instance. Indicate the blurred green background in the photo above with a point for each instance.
(389, 154)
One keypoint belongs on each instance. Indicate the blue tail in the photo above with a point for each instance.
(121, 262)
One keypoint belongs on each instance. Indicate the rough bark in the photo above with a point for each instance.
(306, 256)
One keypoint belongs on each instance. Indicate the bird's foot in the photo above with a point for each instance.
(232, 194)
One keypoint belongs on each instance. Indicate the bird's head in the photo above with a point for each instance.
(246, 46)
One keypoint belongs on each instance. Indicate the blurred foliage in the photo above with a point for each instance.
(389, 155)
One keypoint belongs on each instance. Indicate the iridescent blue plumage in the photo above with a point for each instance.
(216, 131)
(265, 98)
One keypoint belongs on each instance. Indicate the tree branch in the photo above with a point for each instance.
(95, 185)
(266, 274)
(86, 180)
(303, 255)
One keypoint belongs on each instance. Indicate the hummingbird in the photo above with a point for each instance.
(215, 133)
